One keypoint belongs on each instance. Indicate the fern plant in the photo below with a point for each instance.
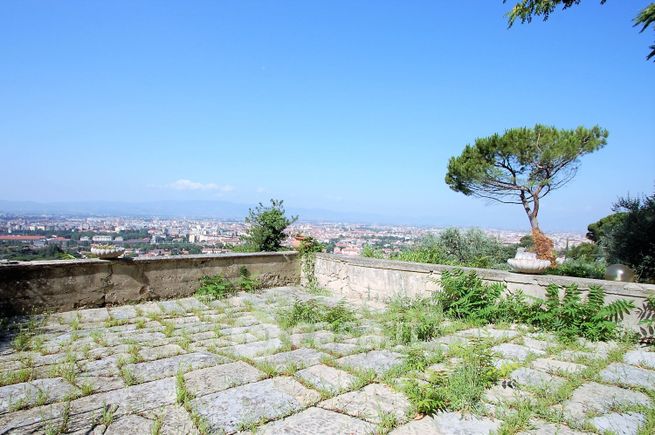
(574, 316)
(465, 296)
(647, 319)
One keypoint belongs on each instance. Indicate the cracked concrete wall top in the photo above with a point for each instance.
(61, 285)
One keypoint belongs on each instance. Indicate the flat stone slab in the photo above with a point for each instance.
(640, 358)
(370, 403)
(531, 378)
(165, 351)
(94, 315)
(367, 342)
(191, 304)
(171, 307)
(449, 423)
(619, 424)
(340, 349)
(235, 409)
(251, 350)
(533, 343)
(625, 374)
(498, 394)
(380, 361)
(312, 337)
(318, 421)
(175, 420)
(544, 428)
(218, 378)
(598, 398)
(30, 393)
(129, 424)
(326, 378)
(516, 351)
(490, 333)
(167, 367)
(124, 312)
(299, 358)
(554, 366)
(136, 399)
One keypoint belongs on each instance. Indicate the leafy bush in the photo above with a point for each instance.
(459, 390)
(631, 240)
(246, 282)
(574, 317)
(584, 251)
(407, 320)
(582, 268)
(218, 286)
(463, 295)
(338, 317)
(472, 248)
(371, 252)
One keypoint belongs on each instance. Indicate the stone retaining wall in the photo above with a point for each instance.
(68, 284)
(373, 279)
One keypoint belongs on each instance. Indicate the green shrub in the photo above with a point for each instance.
(472, 248)
(338, 317)
(459, 390)
(573, 316)
(463, 295)
(584, 251)
(407, 320)
(371, 252)
(246, 282)
(582, 268)
(218, 286)
(631, 240)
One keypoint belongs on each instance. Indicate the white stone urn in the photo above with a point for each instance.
(527, 262)
(107, 251)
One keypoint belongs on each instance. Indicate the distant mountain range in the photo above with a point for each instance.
(175, 208)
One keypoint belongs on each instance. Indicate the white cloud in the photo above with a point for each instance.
(183, 184)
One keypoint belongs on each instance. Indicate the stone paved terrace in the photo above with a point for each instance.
(184, 367)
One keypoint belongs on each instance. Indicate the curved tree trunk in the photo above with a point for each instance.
(543, 246)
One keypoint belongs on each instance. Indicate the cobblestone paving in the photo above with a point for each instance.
(186, 366)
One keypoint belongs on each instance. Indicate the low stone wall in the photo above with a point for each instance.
(69, 284)
(378, 280)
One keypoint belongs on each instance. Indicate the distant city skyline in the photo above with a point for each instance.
(340, 108)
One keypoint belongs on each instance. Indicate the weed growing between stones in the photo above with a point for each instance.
(220, 287)
(388, 421)
(16, 377)
(25, 338)
(183, 398)
(460, 389)
(107, 415)
(407, 320)
(169, 327)
(62, 427)
(339, 318)
(155, 429)
(135, 356)
(86, 388)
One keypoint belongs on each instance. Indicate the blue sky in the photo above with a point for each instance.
(339, 105)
